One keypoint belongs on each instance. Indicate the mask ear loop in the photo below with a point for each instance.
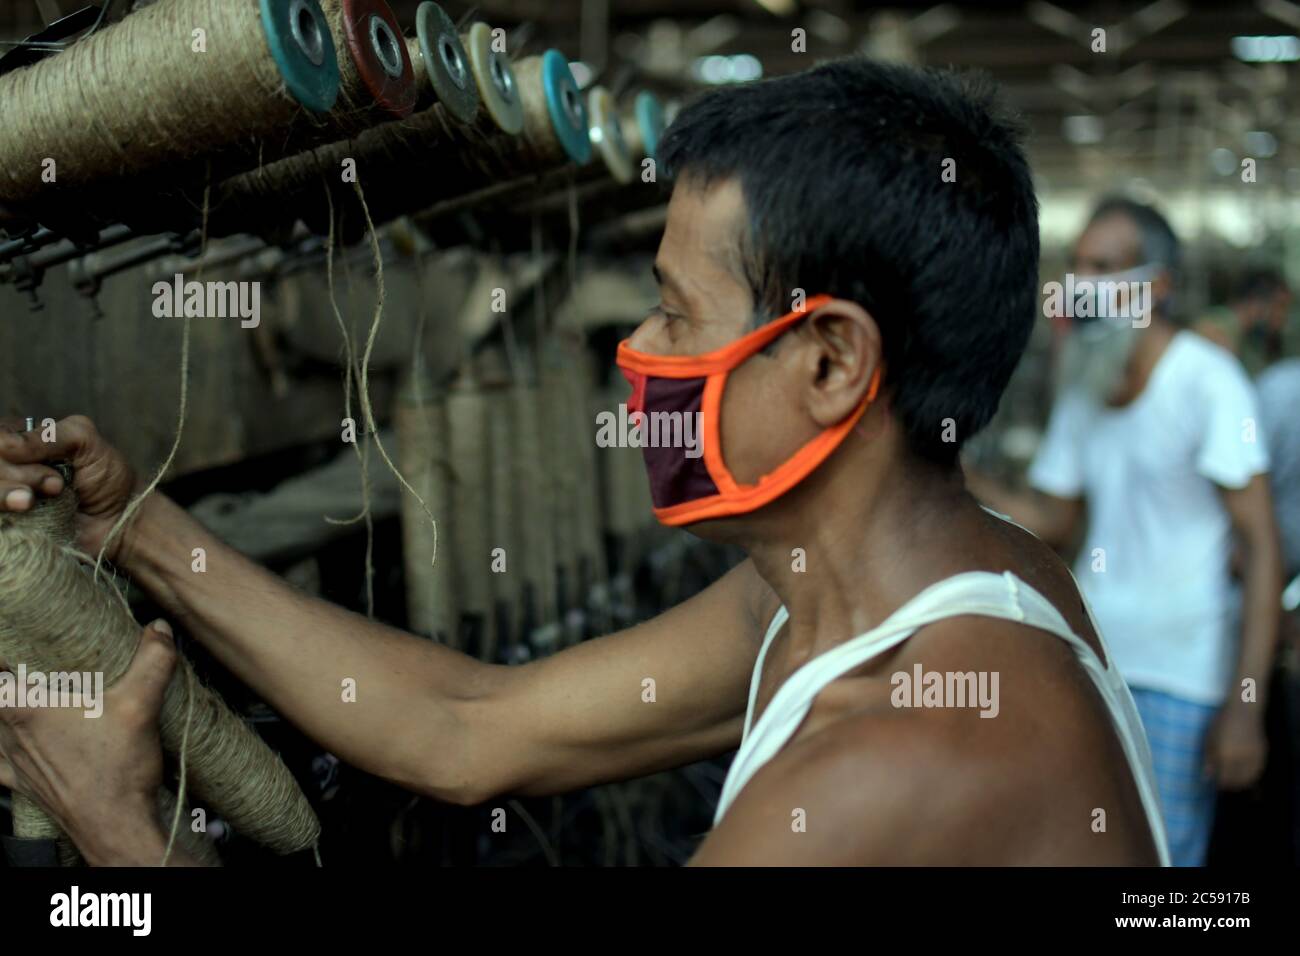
(872, 389)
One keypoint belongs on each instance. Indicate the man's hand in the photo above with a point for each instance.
(97, 777)
(1236, 748)
(103, 480)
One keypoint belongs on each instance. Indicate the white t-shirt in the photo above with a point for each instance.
(1155, 561)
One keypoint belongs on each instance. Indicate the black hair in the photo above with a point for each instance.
(842, 169)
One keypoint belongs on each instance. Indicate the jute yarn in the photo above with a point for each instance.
(134, 97)
(54, 617)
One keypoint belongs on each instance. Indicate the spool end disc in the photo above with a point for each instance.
(649, 114)
(564, 103)
(446, 62)
(374, 41)
(607, 135)
(303, 50)
(495, 78)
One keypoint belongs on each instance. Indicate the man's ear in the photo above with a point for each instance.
(845, 351)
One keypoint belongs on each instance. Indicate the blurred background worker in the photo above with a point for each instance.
(1154, 429)
(1254, 325)
(1257, 326)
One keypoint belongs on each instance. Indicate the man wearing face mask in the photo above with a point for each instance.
(1156, 430)
(909, 678)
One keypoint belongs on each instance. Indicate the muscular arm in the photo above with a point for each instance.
(439, 722)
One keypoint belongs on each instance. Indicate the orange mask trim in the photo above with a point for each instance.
(733, 497)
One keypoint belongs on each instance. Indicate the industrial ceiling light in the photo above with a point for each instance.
(1266, 49)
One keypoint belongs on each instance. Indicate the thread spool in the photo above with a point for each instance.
(423, 446)
(495, 79)
(644, 125)
(264, 65)
(562, 470)
(394, 160)
(442, 65)
(30, 822)
(471, 537)
(376, 77)
(508, 584)
(531, 493)
(54, 617)
(591, 546)
(607, 138)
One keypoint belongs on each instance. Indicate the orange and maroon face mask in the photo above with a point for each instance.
(687, 488)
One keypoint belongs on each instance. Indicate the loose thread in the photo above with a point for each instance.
(138, 501)
(181, 777)
(366, 408)
(363, 457)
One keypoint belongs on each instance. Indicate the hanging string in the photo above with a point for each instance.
(366, 408)
(363, 456)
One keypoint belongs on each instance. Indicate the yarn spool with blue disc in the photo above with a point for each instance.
(496, 82)
(446, 63)
(568, 114)
(303, 49)
(648, 113)
(607, 135)
(373, 39)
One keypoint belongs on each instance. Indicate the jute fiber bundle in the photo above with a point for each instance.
(55, 617)
(136, 96)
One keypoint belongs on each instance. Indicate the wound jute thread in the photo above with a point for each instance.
(467, 422)
(134, 96)
(424, 454)
(55, 617)
(531, 495)
(507, 585)
(408, 164)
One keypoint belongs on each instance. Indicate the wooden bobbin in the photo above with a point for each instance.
(442, 65)
(264, 64)
(424, 455)
(607, 136)
(471, 537)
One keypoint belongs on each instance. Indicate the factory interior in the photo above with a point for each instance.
(351, 284)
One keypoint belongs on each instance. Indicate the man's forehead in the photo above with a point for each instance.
(1114, 237)
(701, 244)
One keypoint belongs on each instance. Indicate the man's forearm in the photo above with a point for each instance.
(375, 696)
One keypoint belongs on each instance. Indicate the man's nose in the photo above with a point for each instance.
(646, 338)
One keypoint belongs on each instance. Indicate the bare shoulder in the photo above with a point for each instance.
(872, 778)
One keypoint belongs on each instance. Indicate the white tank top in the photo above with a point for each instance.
(974, 592)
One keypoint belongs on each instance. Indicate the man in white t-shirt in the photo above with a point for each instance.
(1156, 430)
